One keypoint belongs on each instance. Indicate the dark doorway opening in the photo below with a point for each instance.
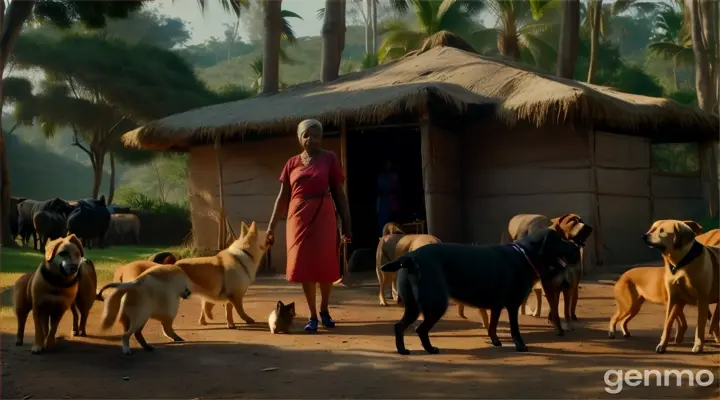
(367, 154)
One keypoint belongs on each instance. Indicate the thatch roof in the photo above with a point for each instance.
(457, 77)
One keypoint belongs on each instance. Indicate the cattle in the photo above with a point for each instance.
(49, 225)
(14, 215)
(27, 210)
(90, 221)
(123, 227)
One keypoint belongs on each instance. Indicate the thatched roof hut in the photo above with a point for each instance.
(456, 77)
(476, 140)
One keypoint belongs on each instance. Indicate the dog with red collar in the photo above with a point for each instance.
(493, 277)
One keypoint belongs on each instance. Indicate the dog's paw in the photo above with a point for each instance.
(522, 348)
(536, 313)
(660, 349)
(560, 332)
(678, 340)
(626, 335)
(697, 348)
(148, 347)
(433, 350)
(202, 321)
(383, 303)
(611, 334)
(496, 342)
(18, 343)
(404, 352)
(231, 326)
(249, 320)
(575, 318)
(36, 350)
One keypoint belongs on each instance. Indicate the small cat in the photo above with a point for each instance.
(281, 318)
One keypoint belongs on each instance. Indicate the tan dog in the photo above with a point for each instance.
(225, 277)
(48, 292)
(646, 283)
(393, 244)
(709, 238)
(85, 297)
(154, 294)
(692, 271)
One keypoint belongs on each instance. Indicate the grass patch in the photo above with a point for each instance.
(15, 262)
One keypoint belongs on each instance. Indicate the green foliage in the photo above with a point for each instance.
(140, 201)
(676, 157)
(687, 97)
(92, 14)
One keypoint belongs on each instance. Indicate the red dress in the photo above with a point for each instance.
(313, 254)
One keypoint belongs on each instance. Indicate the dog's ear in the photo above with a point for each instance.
(683, 235)
(243, 229)
(51, 249)
(279, 306)
(697, 228)
(291, 307)
(253, 228)
(74, 240)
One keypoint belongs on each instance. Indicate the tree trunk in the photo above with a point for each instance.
(705, 89)
(111, 189)
(374, 27)
(368, 26)
(596, 10)
(271, 46)
(569, 39)
(508, 40)
(343, 33)
(330, 59)
(99, 155)
(675, 76)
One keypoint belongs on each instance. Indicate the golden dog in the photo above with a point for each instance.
(85, 297)
(48, 292)
(227, 276)
(154, 294)
(392, 245)
(639, 284)
(692, 271)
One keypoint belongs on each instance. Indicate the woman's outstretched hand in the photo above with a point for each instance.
(346, 239)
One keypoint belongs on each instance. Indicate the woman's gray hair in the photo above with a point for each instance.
(306, 125)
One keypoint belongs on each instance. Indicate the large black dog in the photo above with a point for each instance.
(492, 277)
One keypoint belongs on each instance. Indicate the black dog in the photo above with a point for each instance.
(492, 277)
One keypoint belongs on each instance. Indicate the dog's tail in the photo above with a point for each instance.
(392, 228)
(112, 305)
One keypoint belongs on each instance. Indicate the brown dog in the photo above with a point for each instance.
(393, 244)
(639, 284)
(692, 271)
(48, 292)
(709, 238)
(133, 269)
(85, 297)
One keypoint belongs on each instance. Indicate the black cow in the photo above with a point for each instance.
(27, 210)
(49, 225)
(14, 215)
(90, 221)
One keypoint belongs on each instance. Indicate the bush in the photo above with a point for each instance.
(143, 202)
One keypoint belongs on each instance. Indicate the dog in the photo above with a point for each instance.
(227, 276)
(281, 318)
(154, 294)
(572, 227)
(48, 292)
(491, 277)
(692, 271)
(709, 238)
(164, 257)
(391, 246)
(642, 283)
(85, 297)
(132, 270)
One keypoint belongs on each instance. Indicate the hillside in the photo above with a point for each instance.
(41, 174)
(306, 55)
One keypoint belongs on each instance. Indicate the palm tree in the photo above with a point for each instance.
(525, 31)
(672, 40)
(594, 22)
(569, 39)
(431, 17)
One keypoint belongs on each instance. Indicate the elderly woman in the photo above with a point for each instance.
(309, 184)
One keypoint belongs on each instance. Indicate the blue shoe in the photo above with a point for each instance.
(326, 320)
(312, 326)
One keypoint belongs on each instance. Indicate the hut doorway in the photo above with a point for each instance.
(367, 154)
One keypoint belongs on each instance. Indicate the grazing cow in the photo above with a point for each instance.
(123, 226)
(14, 215)
(90, 221)
(27, 210)
(49, 225)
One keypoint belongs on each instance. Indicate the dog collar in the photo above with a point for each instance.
(519, 249)
(695, 252)
(56, 280)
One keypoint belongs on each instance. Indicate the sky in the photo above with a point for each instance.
(211, 24)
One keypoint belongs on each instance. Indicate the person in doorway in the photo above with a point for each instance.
(388, 204)
(309, 183)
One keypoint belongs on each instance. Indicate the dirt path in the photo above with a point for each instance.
(356, 360)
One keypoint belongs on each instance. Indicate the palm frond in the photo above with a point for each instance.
(288, 33)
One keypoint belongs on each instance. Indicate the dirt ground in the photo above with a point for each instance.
(355, 360)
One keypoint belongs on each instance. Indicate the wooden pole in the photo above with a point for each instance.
(595, 207)
(221, 215)
(427, 168)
